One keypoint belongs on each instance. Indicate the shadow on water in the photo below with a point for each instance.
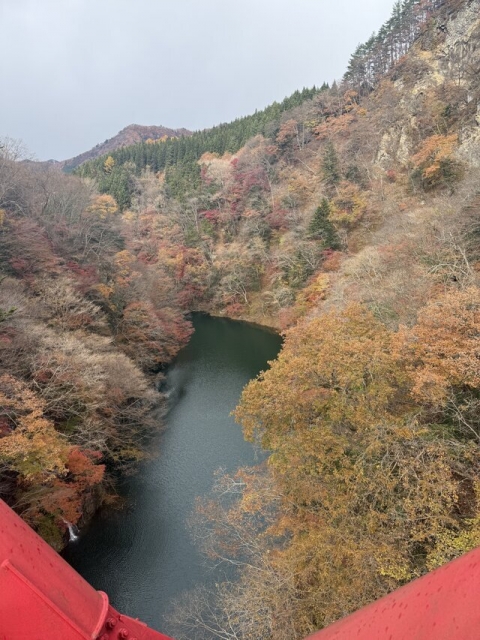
(142, 555)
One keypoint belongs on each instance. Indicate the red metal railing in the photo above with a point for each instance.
(43, 598)
(442, 605)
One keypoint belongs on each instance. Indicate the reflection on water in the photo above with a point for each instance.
(142, 555)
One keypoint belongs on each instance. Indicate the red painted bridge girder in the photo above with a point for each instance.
(442, 605)
(43, 598)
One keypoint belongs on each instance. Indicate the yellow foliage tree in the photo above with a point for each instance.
(108, 164)
(349, 205)
(33, 448)
(369, 487)
(103, 206)
(309, 297)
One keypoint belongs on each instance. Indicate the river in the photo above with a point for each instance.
(143, 555)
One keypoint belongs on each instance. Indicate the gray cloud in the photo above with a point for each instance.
(74, 72)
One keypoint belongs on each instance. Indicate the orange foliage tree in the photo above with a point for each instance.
(434, 163)
(369, 486)
(441, 354)
(54, 476)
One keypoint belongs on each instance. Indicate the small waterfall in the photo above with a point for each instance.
(72, 530)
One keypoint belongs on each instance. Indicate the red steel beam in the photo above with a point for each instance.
(442, 605)
(43, 598)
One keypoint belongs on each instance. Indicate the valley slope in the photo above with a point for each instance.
(347, 216)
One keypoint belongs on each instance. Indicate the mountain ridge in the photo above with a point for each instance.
(129, 135)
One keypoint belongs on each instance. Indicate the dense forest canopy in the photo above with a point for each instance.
(179, 156)
(347, 217)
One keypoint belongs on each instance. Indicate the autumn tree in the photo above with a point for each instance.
(434, 164)
(234, 527)
(54, 475)
(108, 164)
(338, 415)
(13, 177)
(349, 205)
(441, 353)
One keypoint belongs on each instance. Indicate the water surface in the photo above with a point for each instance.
(143, 555)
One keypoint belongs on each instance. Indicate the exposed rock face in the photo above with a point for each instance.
(447, 52)
(461, 56)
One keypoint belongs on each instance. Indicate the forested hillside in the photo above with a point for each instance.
(346, 216)
(365, 207)
(128, 136)
(85, 328)
(179, 157)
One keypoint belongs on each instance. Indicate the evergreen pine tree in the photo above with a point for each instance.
(331, 170)
(321, 228)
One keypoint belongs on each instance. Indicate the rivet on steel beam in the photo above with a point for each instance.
(123, 633)
(110, 623)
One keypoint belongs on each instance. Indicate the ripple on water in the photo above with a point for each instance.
(143, 555)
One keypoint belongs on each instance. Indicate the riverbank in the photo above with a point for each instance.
(143, 554)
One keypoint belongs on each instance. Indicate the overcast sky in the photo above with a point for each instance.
(75, 72)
